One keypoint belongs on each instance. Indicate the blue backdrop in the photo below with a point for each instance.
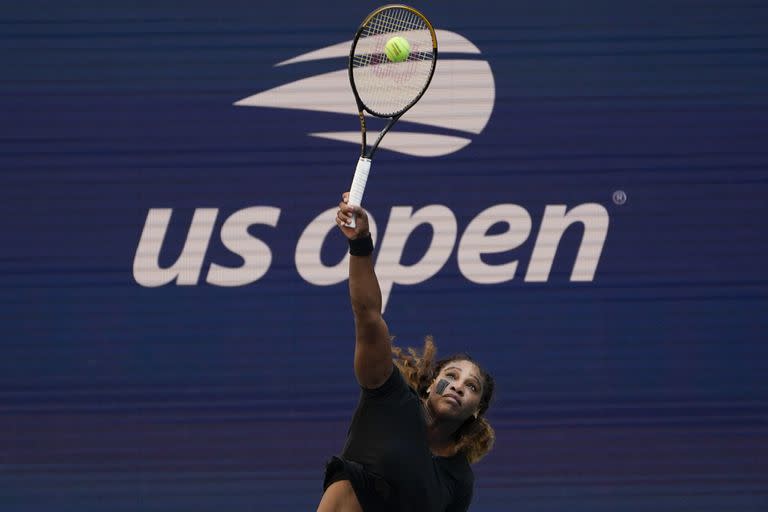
(153, 362)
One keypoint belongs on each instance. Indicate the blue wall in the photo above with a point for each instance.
(642, 387)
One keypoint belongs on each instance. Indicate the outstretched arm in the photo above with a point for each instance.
(373, 349)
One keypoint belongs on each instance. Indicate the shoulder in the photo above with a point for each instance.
(394, 385)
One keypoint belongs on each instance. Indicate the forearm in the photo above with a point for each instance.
(364, 291)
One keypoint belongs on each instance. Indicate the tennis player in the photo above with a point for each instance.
(419, 423)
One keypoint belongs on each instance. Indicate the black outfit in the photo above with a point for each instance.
(388, 461)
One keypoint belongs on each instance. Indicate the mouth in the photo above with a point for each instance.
(453, 398)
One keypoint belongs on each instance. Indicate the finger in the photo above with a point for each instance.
(342, 220)
(345, 197)
(343, 217)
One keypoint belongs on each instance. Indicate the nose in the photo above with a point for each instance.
(458, 388)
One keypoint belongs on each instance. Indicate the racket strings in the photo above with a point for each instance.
(387, 24)
(403, 20)
(386, 87)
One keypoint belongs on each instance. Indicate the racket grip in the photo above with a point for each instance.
(358, 185)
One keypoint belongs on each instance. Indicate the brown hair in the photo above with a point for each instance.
(475, 436)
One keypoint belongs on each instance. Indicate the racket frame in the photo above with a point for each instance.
(364, 163)
(361, 107)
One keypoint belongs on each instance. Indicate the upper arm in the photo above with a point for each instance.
(373, 350)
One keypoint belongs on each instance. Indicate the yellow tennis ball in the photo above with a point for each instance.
(397, 49)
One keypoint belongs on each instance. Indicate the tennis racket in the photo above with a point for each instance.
(386, 87)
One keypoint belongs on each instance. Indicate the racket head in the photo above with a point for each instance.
(382, 87)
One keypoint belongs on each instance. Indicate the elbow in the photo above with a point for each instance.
(366, 315)
(366, 309)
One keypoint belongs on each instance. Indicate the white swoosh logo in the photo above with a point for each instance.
(460, 97)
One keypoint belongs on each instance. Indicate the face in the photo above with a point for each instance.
(457, 390)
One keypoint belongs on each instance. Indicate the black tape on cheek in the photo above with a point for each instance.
(441, 385)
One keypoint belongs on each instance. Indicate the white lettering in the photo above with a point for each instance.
(593, 216)
(402, 222)
(308, 262)
(186, 269)
(475, 242)
(255, 253)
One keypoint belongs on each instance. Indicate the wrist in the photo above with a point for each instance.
(362, 245)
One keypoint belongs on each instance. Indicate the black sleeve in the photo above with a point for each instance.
(463, 499)
(463, 492)
(394, 385)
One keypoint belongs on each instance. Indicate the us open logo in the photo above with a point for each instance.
(460, 99)
(457, 106)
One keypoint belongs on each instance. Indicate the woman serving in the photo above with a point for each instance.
(419, 423)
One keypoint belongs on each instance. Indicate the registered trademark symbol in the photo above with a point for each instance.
(619, 197)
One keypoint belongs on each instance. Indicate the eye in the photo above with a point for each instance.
(473, 387)
(451, 375)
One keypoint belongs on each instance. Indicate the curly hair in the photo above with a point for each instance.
(475, 437)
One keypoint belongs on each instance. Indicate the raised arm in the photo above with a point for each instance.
(373, 349)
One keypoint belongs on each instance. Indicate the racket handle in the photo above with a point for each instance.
(358, 185)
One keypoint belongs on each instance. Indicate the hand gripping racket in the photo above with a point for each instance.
(387, 85)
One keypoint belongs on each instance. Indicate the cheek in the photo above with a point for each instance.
(437, 403)
(440, 386)
(474, 402)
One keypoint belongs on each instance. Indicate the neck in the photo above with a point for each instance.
(440, 433)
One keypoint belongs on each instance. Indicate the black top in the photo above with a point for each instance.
(388, 461)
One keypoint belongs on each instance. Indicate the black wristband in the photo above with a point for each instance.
(361, 246)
